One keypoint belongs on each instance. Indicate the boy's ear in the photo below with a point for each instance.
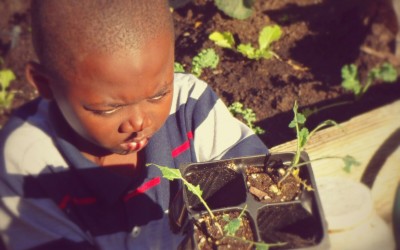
(38, 78)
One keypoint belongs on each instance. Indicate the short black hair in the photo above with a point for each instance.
(65, 30)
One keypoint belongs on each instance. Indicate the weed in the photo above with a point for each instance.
(351, 82)
(247, 115)
(239, 9)
(206, 58)
(178, 68)
(385, 73)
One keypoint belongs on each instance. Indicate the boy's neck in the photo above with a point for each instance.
(128, 164)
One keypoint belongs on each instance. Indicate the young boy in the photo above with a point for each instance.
(72, 167)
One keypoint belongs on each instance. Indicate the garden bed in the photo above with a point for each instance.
(321, 36)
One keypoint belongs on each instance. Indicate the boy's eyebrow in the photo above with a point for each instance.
(164, 88)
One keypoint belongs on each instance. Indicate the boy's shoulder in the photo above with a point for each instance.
(188, 87)
(26, 139)
(186, 81)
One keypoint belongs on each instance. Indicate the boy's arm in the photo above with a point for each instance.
(36, 223)
(29, 220)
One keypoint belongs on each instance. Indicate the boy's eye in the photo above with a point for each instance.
(159, 96)
(104, 112)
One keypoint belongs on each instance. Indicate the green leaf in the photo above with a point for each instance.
(301, 119)
(6, 76)
(268, 35)
(194, 189)
(298, 117)
(232, 226)
(350, 79)
(207, 58)
(174, 174)
(178, 68)
(349, 162)
(168, 173)
(247, 50)
(386, 73)
(262, 246)
(303, 137)
(239, 9)
(236, 108)
(247, 115)
(223, 39)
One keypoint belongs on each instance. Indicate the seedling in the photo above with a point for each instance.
(6, 96)
(247, 114)
(239, 9)
(268, 35)
(178, 68)
(303, 136)
(233, 225)
(385, 73)
(351, 82)
(207, 58)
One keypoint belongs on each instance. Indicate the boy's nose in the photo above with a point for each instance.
(135, 123)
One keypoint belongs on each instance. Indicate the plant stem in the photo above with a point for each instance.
(200, 198)
(296, 157)
(289, 170)
(330, 106)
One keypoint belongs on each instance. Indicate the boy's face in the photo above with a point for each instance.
(118, 101)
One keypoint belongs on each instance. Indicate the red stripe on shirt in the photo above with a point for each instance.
(142, 189)
(84, 201)
(183, 147)
(77, 201)
(64, 202)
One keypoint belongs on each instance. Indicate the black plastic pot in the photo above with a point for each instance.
(299, 223)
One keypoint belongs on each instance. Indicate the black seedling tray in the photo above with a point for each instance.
(224, 187)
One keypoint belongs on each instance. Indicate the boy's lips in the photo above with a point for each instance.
(135, 145)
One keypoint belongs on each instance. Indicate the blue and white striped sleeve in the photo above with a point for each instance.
(217, 133)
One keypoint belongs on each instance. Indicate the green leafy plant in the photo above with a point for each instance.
(351, 82)
(239, 9)
(6, 96)
(178, 68)
(303, 135)
(268, 35)
(247, 115)
(233, 225)
(206, 58)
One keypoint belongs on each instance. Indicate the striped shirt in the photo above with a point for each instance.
(52, 197)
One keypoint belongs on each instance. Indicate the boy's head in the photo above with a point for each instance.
(108, 65)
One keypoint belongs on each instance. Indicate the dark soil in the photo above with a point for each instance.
(208, 234)
(265, 186)
(320, 35)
